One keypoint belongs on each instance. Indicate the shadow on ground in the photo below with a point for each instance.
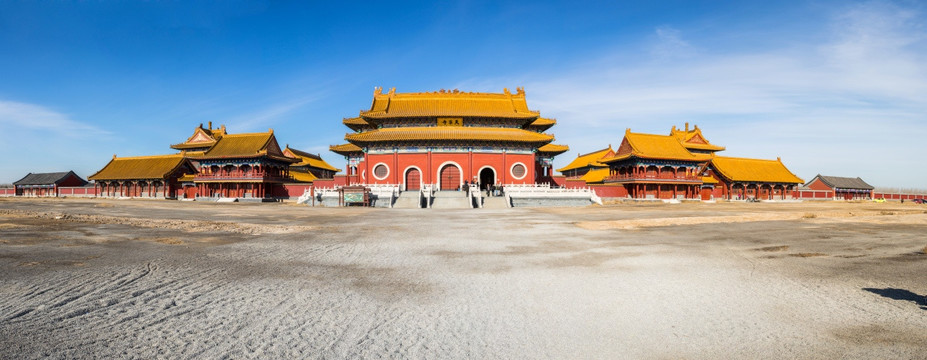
(901, 294)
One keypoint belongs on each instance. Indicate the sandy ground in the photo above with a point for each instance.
(163, 279)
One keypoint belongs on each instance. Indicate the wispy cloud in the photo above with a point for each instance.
(839, 105)
(267, 116)
(18, 116)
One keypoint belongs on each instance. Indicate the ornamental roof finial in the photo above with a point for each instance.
(377, 90)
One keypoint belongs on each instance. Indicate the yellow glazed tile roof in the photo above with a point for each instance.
(693, 139)
(590, 159)
(139, 167)
(202, 137)
(449, 133)
(302, 176)
(650, 146)
(245, 145)
(356, 123)
(345, 149)
(449, 103)
(187, 178)
(595, 175)
(554, 148)
(543, 122)
(311, 160)
(756, 170)
(709, 180)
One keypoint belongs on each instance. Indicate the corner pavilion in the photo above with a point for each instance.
(446, 138)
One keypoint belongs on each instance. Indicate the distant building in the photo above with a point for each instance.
(46, 184)
(741, 178)
(155, 176)
(587, 166)
(214, 164)
(845, 188)
(681, 165)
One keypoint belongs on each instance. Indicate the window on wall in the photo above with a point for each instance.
(519, 171)
(380, 171)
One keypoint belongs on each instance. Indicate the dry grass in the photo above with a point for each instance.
(883, 212)
(924, 250)
(169, 241)
(774, 248)
(805, 255)
(9, 226)
(809, 216)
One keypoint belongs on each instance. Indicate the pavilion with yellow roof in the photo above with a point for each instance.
(448, 138)
(214, 164)
(681, 165)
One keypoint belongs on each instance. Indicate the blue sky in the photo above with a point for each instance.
(831, 87)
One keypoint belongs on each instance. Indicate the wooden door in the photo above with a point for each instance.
(413, 179)
(190, 192)
(706, 194)
(450, 178)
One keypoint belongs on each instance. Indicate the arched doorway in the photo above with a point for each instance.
(450, 177)
(487, 178)
(413, 179)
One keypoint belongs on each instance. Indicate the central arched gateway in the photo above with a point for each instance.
(450, 177)
(487, 178)
(413, 179)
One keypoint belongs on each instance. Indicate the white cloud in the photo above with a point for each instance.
(17, 116)
(852, 104)
(43, 140)
(268, 115)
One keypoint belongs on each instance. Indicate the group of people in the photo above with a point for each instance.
(489, 188)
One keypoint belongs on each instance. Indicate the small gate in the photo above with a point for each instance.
(450, 177)
(413, 179)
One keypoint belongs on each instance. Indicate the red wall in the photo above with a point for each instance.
(469, 163)
(609, 191)
(88, 191)
(7, 191)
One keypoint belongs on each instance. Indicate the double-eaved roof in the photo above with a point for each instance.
(651, 146)
(449, 103)
(838, 182)
(753, 170)
(46, 178)
(449, 133)
(248, 145)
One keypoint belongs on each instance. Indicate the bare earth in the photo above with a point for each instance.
(156, 279)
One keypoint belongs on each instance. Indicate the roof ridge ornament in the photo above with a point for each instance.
(377, 90)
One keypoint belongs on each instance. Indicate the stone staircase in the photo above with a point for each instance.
(495, 202)
(409, 200)
(451, 200)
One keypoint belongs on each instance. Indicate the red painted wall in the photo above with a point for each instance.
(610, 191)
(468, 163)
(84, 191)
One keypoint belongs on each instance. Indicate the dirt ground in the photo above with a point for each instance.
(167, 279)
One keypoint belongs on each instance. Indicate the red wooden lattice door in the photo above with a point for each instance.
(450, 178)
(413, 179)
